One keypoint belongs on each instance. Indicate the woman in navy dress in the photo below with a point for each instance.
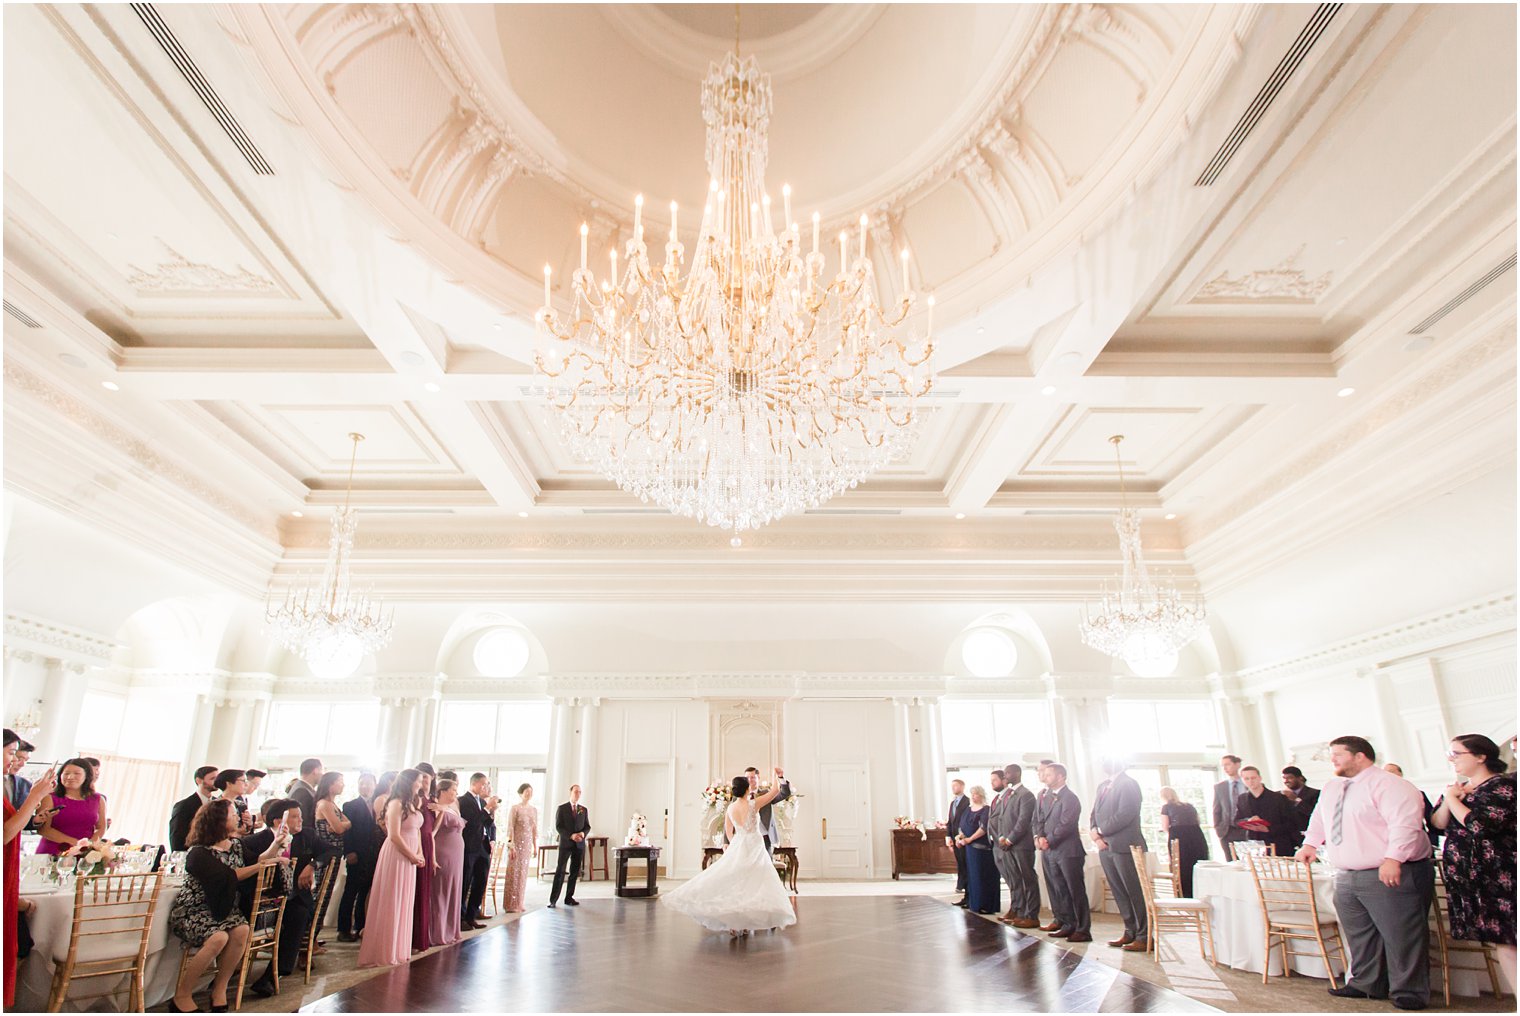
(982, 890)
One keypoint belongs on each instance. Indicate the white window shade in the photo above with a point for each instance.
(997, 729)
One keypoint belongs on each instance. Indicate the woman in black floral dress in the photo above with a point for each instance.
(1478, 816)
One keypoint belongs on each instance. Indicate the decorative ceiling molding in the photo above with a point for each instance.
(177, 274)
(25, 633)
(1283, 283)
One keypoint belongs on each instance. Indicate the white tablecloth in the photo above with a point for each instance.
(51, 924)
(1239, 936)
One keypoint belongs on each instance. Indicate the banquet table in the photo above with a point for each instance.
(1239, 937)
(51, 925)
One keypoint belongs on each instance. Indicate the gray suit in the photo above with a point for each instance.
(999, 824)
(1226, 801)
(1056, 818)
(1116, 818)
(1023, 885)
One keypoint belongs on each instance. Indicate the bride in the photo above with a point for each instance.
(740, 892)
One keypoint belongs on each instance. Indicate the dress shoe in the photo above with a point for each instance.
(1138, 945)
(1409, 1002)
(1125, 939)
(1347, 991)
(347, 936)
(474, 926)
(1060, 933)
(1052, 926)
(263, 987)
(1079, 936)
(572, 903)
(174, 1006)
(1024, 922)
(551, 904)
(962, 903)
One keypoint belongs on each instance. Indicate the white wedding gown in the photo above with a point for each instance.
(740, 891)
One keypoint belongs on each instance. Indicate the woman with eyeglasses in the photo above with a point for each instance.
(1477, 813)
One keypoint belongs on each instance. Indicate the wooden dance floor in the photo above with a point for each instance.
(871, 953)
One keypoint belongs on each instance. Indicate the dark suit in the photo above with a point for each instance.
(1226, 799)
(569, 820)
(16, 789)
(303, 795)
(1057, 815)
(1308, 797)
(180, 818)
(1277, 811)
(1116, 818)
(357, 843)
(958, 806)
(300, 905)
(477, 853)
(765, 815)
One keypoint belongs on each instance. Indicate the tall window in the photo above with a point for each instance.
(997, 731)
(317, 728)
(1193, 785)
(493, 728)
(1163, 725)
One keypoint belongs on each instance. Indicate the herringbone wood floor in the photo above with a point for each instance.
(884, 953)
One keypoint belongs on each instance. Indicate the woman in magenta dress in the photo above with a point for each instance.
(15, 821)
(448, 866)
(388, 920)
(79, 812)
(422, 910)
(522, 824)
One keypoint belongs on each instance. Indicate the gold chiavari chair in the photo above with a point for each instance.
(497, 879)
(1250, 848)
(1290, 911)
(113, 918)
(1174, 913)
(1443, 945)
(267, 915)
(323, 890)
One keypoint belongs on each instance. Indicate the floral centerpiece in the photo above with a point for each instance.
(715, 800)
(717, 796)
(904, 822)
(93, 856)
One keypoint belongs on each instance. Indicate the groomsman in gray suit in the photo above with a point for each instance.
(1226, 803)
(1057, 815)
(1115, 828)
(998, 823)
(1017, 844)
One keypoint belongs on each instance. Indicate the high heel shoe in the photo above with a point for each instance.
(174, 1006)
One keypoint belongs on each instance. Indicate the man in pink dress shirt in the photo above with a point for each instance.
(1374, 825)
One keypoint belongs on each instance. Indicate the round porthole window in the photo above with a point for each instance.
(988, 652)
(501, 652)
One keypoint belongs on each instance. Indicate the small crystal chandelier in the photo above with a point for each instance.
(756, 387)
(331, 626)
(1144, 624)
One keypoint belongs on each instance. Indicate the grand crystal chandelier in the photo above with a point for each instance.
(1143, 623)
(330, 625)
(757, 386)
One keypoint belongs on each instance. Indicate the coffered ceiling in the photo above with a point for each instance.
(271, 226)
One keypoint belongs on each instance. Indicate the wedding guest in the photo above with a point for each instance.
(183, 813)
(382, 796)
(998, 822)
(79, 812)
(422, 904)
(1477, 813)
(304, 790)
(1373, 823)
(1024, 888)
(522, 844)
(1057, 818)
(16, 785)
(958, 806)
(448, 866)
(205, 915)
(328, 834)
(767, 823)
(255, 779)
(357, 841)
(233, 784)
(573, 823)
(1115, 824)
(477, 849)
(1430, 808)
(297, 915)
(982, 896)
(1297, 792)
(388, 925)
(16, 819)
(1226, 800)
(1179, 820)
(1258, 802)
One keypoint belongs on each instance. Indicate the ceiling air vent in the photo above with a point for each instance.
(192, 74)
(21, 315)
(853, 511)
(1268, 94)
(1450, 305)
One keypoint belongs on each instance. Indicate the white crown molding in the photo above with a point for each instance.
(1481, 618)
(25, 633)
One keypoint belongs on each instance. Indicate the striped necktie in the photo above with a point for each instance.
(1340, 813)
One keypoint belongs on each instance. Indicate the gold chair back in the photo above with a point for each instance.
(1442, 945)
(496, 880)
(113, 918)
(264, 923)
(321, 891)
(1169, 913)
(1290, 912)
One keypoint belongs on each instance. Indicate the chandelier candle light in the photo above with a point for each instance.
(756, 386)
(1143, 623)
(331, 626)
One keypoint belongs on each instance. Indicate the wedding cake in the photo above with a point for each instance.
(638, 832)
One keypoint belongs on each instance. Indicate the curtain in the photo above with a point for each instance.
(140, 793)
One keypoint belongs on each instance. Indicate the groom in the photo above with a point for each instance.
(765, 813)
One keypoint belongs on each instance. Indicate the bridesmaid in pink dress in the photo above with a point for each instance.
(422, 902)
(388, 921)
(523, 823)
(448, 867)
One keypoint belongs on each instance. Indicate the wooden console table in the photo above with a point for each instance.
(651, 857)
(589, 868)
(913, 854)
(787, 869)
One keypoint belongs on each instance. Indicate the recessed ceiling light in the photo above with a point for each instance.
(522, 515)
(411, 358)
(1048, 390)
(299, 515)
(71, 359)
(112, 236)
(981, 331)
(960, 515)
(1419, 343)
(1170, 516)
(1344, 392)
(110, 386)
(497, 326)
(432, 386)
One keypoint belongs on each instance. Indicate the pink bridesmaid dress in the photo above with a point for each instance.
(388, 921)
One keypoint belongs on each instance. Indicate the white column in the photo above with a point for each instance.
(932, 736)
(256, 730)
(25, 684)
(203, 715)
(906, 782)
(559, 778)
(63, 688)
(1274, 752)
(586, 771)
(397, 729)
(429, 732)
